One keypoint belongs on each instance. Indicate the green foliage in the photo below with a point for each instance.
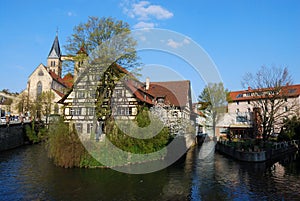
(213, 101)
(36, 132)
(290, 130)
(136, 145)
(64, 145)
(31, 134)
(101, 32)
(89, 161)
(142, 118)
(47, 99)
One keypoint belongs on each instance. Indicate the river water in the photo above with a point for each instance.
(27, 174)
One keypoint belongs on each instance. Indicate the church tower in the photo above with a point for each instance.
(54, 62)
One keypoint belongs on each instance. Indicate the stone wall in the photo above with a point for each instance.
(241, 155)
(258, 156)
(12, 136)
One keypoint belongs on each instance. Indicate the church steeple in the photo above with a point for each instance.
(55, 49)
(54, 62)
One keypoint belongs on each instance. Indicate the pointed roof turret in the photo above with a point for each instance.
(55, 49)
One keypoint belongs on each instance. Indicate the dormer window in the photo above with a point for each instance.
(161, 100)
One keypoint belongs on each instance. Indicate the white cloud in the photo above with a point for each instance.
(145, 11)
(175, 44)
(71, 14)
(144, 25)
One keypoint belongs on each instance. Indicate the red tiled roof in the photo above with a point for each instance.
(58, 79)
(68, 80)
(137, 89)
(175, 92)
(289, 91)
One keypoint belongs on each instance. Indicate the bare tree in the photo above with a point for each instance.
(270, 89)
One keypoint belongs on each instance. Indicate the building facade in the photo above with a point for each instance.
(245, 108)
(123, 99)
(48, 77)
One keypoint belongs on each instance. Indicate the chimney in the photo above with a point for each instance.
(249, 88)
(147, 83)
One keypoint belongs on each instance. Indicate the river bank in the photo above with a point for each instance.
(27, 174)
(256, 154)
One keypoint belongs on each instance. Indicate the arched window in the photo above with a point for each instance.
(52, 63)
(39, 89)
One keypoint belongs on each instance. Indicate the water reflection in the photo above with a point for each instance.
(221, 178)
(27, 174)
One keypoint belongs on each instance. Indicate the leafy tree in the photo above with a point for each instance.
(213, 101)
(47, 99)
(35, 109)
(22, 104)
(107, 40)
(270, 96)
(104, 45)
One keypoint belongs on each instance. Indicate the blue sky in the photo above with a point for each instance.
(239, 36)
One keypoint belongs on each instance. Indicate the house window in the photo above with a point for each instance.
(248, 102)
(241, 119)
(78, 127)
(249, 110)
(237, 102)
(291, 91)
(118, 93)
(71, 111)
(237, 110)
(128, 111)
(89, 128)
(77, 111)
(91, 111)
(285, 99)
(286, 109)
(80, 94)
(124, 111)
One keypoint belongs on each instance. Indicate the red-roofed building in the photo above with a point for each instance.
(125, 99)
(243, 108)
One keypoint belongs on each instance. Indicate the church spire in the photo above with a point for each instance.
(54, 61)
(55, 49)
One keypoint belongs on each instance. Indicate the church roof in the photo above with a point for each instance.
(58, 79)
(55, 49)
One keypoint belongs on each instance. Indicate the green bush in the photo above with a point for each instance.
(64, 145)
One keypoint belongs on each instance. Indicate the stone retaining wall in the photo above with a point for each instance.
(12, 136)
(259, 156)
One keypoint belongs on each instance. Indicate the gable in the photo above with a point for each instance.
(39, 69)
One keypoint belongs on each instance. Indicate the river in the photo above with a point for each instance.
(27, 174)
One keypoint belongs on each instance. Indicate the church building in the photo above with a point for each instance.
(49, 78)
